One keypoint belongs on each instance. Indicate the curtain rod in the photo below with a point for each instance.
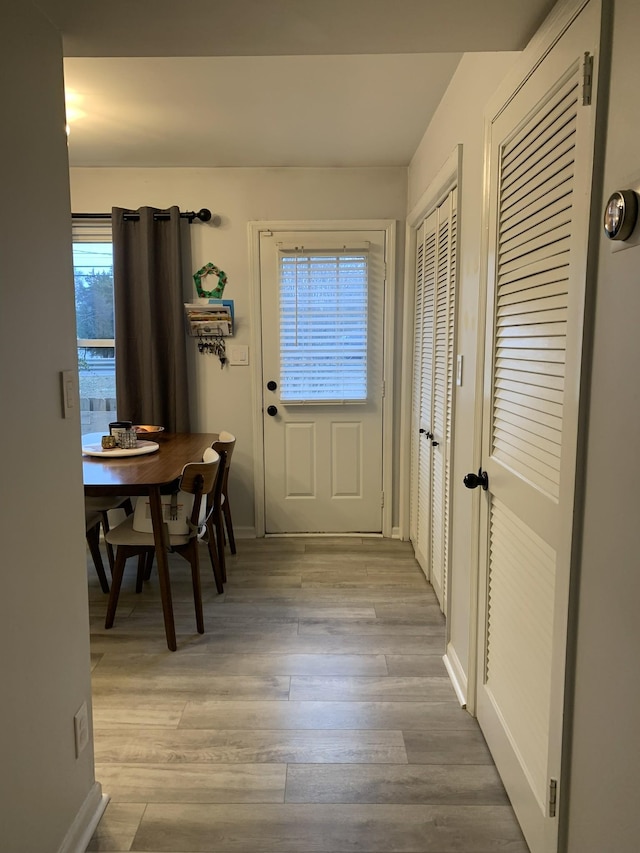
(202, 215)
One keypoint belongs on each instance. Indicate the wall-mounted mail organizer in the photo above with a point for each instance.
(211, 323)
(210, 319)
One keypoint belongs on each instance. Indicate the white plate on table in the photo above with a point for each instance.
(141, 448)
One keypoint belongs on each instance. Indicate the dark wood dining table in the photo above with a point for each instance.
(152, 474)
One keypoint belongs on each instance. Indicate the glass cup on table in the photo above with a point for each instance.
(127, 439)
(117, 427)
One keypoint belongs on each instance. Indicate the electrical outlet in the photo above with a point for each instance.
(81, 728)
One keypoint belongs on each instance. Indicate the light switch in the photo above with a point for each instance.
(238, 354)
(69, 393)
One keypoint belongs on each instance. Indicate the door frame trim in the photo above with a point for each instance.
(254, 229)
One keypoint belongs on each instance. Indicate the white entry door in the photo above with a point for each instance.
(433, 371)
(322, 298)
(541, 162)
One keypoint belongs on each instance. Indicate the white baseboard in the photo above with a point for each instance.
(456, 674)
(84, 825)
(395, 532)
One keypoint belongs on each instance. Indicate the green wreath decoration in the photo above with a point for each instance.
(206, 270)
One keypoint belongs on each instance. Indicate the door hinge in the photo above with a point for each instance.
(553, 796)
(587, 79)
(381, 498)
(384, 388)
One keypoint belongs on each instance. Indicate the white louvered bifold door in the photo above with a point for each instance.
(433, 391)
(423, 389)
(416, 400)
(541, 167)
(443, 350)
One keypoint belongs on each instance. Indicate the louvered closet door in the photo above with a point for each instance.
(423, 390)
(417, 369)
(443, 347)
(541, 165)
(433, 391)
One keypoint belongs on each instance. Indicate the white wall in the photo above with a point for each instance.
(605, 777)
(460, 120)
(44, 625)
(222, 399)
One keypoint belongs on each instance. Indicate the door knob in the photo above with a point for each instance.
(426, 433)
(435, 443)
(272, 410)
(271, 385)
(472, 481)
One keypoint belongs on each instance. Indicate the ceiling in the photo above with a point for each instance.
(268, 82)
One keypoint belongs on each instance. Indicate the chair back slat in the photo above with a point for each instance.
(198, 479)
(225, 444)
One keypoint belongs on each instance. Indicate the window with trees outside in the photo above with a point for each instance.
(95, 324)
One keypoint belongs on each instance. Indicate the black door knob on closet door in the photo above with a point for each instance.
(271, 385)
(426, 433)
(272, 410)
(472, 481)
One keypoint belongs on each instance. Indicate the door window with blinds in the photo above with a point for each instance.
(323, 326)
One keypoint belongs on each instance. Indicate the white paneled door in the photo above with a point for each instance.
(541, 162)
(432, 421)
(322, 302)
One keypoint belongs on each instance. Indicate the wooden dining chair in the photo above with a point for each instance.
(103, 506)
(214, 535)
(93, 521)
(226, 443)
(197, 479)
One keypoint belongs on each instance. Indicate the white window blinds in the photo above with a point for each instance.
(323, 326)
(91, 231)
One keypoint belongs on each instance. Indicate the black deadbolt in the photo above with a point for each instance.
(472, 481)
(272, 410)
(271, 385)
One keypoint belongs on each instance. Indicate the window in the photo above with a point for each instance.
(323, 326)
(95, 324)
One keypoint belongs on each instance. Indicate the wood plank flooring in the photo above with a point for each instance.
(313, 716)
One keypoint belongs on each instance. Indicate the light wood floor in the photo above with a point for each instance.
(313, 716)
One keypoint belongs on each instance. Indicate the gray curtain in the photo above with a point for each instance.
(151, 360)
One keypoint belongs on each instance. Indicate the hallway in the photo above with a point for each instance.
(313, 716)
